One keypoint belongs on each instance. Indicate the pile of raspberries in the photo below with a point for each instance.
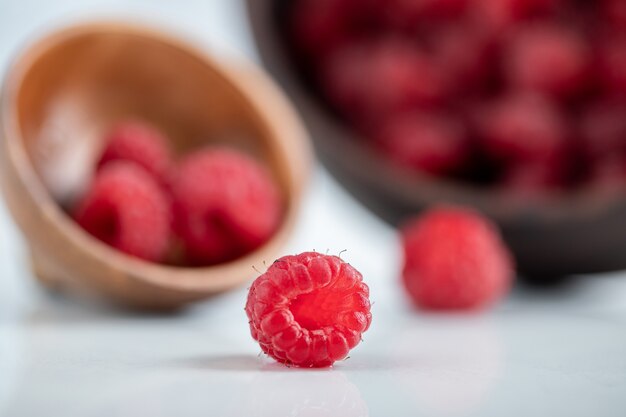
(213, 205)
(519, 95)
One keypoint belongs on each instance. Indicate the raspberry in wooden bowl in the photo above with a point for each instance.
(98, 122)
(514, 107)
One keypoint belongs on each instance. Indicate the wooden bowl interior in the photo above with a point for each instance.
(76, 89)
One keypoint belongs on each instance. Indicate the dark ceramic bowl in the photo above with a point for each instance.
(579, 232)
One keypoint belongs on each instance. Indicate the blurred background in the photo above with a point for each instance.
(554, 349)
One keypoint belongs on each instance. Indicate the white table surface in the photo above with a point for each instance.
(559, 352)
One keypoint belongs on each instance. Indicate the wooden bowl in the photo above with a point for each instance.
(567, 234)
(64, 90)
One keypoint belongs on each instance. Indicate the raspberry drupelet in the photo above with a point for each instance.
(308, 310)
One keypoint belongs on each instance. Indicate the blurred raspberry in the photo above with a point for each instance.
(408, 14)
(523, 127)
(126, 208)
(609, 173)
(531, 179)
(615, 12)
(454, 259)
(464, 55)
(318, 26)
(225, 205)
(426, 143)
(370, 80)
(500, 15)
(612, 63)
(603, 129)
(547, 58)
(138, 142)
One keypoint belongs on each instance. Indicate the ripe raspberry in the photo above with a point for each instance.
(127, 209)
(500, 15)
(532, 179)
(369, 80)
(318, 26)
(408, 14)
(426, 143)
(526, 128)
(612, 64)
(308, 310)
(140, 143)
(615, 12)
(225, 205)
(547, 58)
(603, 129)
(454, 259)
(463, 53)
(609, 173)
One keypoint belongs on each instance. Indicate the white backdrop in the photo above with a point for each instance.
(559, 352)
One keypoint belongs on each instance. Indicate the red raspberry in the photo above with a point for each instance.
(319, 26)
(612, 64)
(408, 14)
(609, 172)
(533, 178)
(140, 143)
(464, 55)
(225, 205)
(523, 128)
(603, 129)
(454, 259)
(308, 310)
(547, 58)
(615, 11)
(371, 80)
(426, 143)
(127, 209)
(500, 15)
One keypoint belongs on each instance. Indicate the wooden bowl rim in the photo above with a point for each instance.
(203, 279)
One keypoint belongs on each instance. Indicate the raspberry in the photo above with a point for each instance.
(533, 178)
(408, 14)
(612, 64)
(370, 80)
(140, 143)
(225, 205)
(463, 54)
(128, 210)
(615, 11)
(609, 173)
(309, 309)
(499, 15)
(603, 129)
(454, 260)
(320, 25)
(547, 58)
(431, 144)
(523, 128)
